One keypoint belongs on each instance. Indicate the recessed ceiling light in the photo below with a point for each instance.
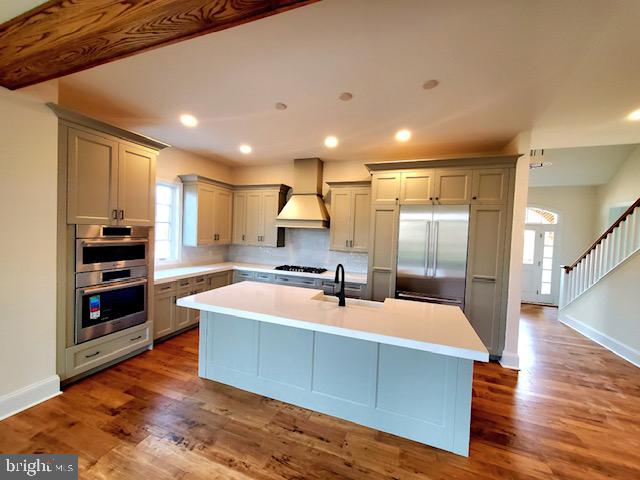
(346, 96)
(429, 84)
(331, 141)
(281, 106)
(246, 149)
(403, 135)
(188, 120)
(634, 116)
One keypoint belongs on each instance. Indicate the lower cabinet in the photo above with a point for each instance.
(168, 317)
(351, 290)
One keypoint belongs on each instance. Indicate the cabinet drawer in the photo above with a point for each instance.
(240, 275)
(200, 281)
(185, 282)
(264, 277)
(351, 290)
(81, 358)
(296, 281)
(165, 288)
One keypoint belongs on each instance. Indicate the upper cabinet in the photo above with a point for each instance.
(109, 181)
(350, 213)
(254, 215)
(490, 186)
(441, 186)
(453, 186)
(207, 214)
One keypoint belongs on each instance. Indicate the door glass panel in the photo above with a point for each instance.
(548, 252)
(547, 263)
(163, 213)
(546, 276)
(548, 239)
(529, 247)
(545, 289)
(162, 231)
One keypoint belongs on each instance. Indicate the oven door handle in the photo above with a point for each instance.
(113, 286)
(124, 241)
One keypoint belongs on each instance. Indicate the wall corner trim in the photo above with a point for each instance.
(29, 396)
(510, 360)
(623, 351)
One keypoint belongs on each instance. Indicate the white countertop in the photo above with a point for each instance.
(173, 274)
(440, 329)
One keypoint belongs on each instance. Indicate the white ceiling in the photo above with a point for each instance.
(10, 9)
(569, 71)
(579, 166)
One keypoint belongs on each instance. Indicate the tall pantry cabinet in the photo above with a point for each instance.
(486, 185)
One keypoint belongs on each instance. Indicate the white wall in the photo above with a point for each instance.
(520, 144)
(608, 312)
(28, 192)
(576, 207)
(622, 190)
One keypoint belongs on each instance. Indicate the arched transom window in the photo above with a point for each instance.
(538, 216)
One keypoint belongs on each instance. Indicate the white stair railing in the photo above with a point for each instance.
(619, 242)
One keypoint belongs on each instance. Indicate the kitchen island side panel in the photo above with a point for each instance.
(414, 394)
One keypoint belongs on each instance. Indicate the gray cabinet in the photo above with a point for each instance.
(350, 213)
(254, 216)
(207, 212)
(490, 186)
(453, 186)
(485, 273)
(170, 318)
(383, 251)
(109, 181)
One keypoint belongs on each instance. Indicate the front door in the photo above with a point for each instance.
(538, 269)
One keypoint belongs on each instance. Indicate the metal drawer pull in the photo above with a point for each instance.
(121, 214)
(92, 355)
(136, 338)
(484, 278)
(114, 214)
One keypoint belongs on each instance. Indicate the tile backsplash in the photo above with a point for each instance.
(302, 247)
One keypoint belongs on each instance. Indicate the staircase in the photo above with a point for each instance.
(612, 248)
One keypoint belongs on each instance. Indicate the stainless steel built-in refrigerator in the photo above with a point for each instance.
(432, 253)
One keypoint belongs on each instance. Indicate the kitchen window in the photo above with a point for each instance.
(167, 223)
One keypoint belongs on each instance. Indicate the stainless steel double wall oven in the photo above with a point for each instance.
(110, 279)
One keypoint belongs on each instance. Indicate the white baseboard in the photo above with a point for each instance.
(510, 360)
(624, 351)
(28, 396)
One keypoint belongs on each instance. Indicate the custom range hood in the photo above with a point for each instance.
(305, 208)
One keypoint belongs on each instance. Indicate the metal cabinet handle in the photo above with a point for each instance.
(114, 214)
(92, 355)
(121, 215)
(243, 237)
(136, 338)
(474, 198)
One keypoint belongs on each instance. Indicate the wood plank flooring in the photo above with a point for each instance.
(572, 412)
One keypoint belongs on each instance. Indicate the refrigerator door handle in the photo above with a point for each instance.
(427, 249)
(434, 250)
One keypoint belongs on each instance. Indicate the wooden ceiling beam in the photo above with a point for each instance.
(61, 37)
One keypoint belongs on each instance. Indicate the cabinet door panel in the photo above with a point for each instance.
(361, 208)
(484, 272)
(254, 223)
(205, 223)
(453, 187)
(136, 185)
(92, 178)
(385, 188)
(341, 223)
(269, 213)
(223, 208)
(164, 315)
(239, 217)
(490, 186)
(383, 252)
(415, 187)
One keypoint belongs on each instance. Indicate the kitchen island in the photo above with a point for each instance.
(401, 367)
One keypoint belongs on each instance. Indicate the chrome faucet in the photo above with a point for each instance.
(340, 294)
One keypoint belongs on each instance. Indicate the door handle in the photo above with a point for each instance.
(436, 228)
(243, 237)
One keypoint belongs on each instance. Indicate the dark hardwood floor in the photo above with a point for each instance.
(572, 412)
